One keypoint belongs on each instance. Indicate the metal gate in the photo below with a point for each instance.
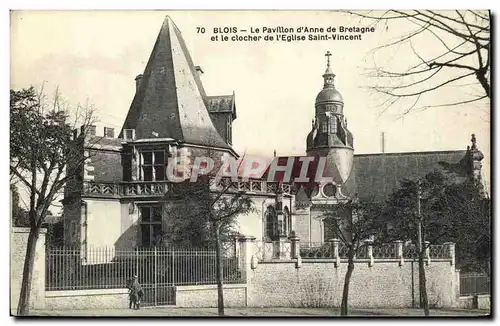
(161, 270)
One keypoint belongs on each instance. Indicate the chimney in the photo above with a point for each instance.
(138, 82)
(382, 141)
(109, 132)
(199, 70)
(90, 132)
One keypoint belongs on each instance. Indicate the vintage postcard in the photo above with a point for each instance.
(250, 163)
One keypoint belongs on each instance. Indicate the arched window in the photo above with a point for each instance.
(288, 221)
(271, 223)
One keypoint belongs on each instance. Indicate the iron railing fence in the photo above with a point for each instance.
(107, 268)
(266, 250)
(379, 251)
(474, 284)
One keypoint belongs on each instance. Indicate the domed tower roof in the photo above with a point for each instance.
(329, 93)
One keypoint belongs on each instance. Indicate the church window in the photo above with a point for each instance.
(333, 124)
(324, 127)
(151, 224)
(153, 165)
(271, 223)
(288, 221)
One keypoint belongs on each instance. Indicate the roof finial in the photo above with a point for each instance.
(328, 55)
(473, 140)
(274, 153)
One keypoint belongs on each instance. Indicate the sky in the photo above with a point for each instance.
(95, 55)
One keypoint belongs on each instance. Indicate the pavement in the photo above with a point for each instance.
(261, 312)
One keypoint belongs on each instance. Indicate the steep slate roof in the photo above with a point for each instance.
(375, 176)
(171, 100)
(222, 104)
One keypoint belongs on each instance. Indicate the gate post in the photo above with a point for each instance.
(246, 252)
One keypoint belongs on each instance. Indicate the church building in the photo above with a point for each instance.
(117, 200)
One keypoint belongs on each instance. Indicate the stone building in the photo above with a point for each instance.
(117, 200)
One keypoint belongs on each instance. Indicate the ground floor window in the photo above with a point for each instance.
(151, 224)
(271, 223)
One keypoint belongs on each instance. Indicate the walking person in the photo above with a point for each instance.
(135, 293)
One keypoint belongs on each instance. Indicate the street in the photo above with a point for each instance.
(262, 312)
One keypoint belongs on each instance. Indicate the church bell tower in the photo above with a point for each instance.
(330, 137)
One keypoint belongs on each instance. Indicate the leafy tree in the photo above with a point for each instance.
(354, 223)
(19, 214)
(435, 209)
(461, 56)
(41, 147)
(204, 213)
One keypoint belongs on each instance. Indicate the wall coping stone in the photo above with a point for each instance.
(277, 261)
(91, 292)
(185, 288)
(16, 229)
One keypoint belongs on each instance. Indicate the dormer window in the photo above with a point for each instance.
(152, 165)
(129, 134)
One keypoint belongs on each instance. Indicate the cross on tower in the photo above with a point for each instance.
(328, 55)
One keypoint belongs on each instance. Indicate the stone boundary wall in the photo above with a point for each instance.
(192, 296)
(18, 245)
(282, 282)
(481, 301)
(320, 284)
(86, 299)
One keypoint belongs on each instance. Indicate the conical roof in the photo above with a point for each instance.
(170, 101)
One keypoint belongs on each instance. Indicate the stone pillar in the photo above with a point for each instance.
(335, 250)
(399, 252)
(18, 246)
(427, 252)
(236, 247)
(294, 245)
(284, 248)
(451, 252)
(247, 245)
(369, 250)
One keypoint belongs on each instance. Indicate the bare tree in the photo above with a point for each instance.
(460, 56)
(44, 159)
(212, 203)
(354, 223)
